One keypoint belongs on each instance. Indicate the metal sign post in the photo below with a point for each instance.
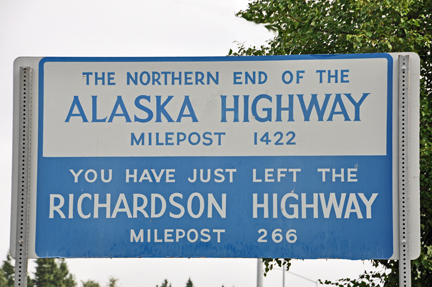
(404, 254)
(260, 269)
(23, 178)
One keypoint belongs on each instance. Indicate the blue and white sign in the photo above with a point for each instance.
(283, 156)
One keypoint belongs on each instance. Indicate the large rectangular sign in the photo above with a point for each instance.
(283, 156)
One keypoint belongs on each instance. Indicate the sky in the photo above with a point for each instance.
(137, 28)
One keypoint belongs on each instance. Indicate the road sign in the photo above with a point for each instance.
(282, 156)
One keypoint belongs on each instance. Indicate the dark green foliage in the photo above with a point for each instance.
(7, 274)
(189, 283)
(90, 283)
(165, 284)
(271, 263)
(3, 281)
(112, 282)
(363, 26)
(52, 272)
(329, 27)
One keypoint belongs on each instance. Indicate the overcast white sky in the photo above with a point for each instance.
(136, 28)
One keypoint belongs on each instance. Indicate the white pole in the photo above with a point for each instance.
(259, 273)
(283, 273)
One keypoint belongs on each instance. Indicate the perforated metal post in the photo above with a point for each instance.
(404, 257)
(23, 178)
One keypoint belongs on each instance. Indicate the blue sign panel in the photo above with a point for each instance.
(284, 156)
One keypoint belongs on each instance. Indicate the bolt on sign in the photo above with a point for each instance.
(276, 156)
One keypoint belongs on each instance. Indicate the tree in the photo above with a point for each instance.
(49, 273)
(165, 284)
(52, 272)
(189, 283)
(3, 280)
(363, 26)
(7, 274)
(90, 283)
(112, 282)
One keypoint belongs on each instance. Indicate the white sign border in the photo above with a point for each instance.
(413, 160)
